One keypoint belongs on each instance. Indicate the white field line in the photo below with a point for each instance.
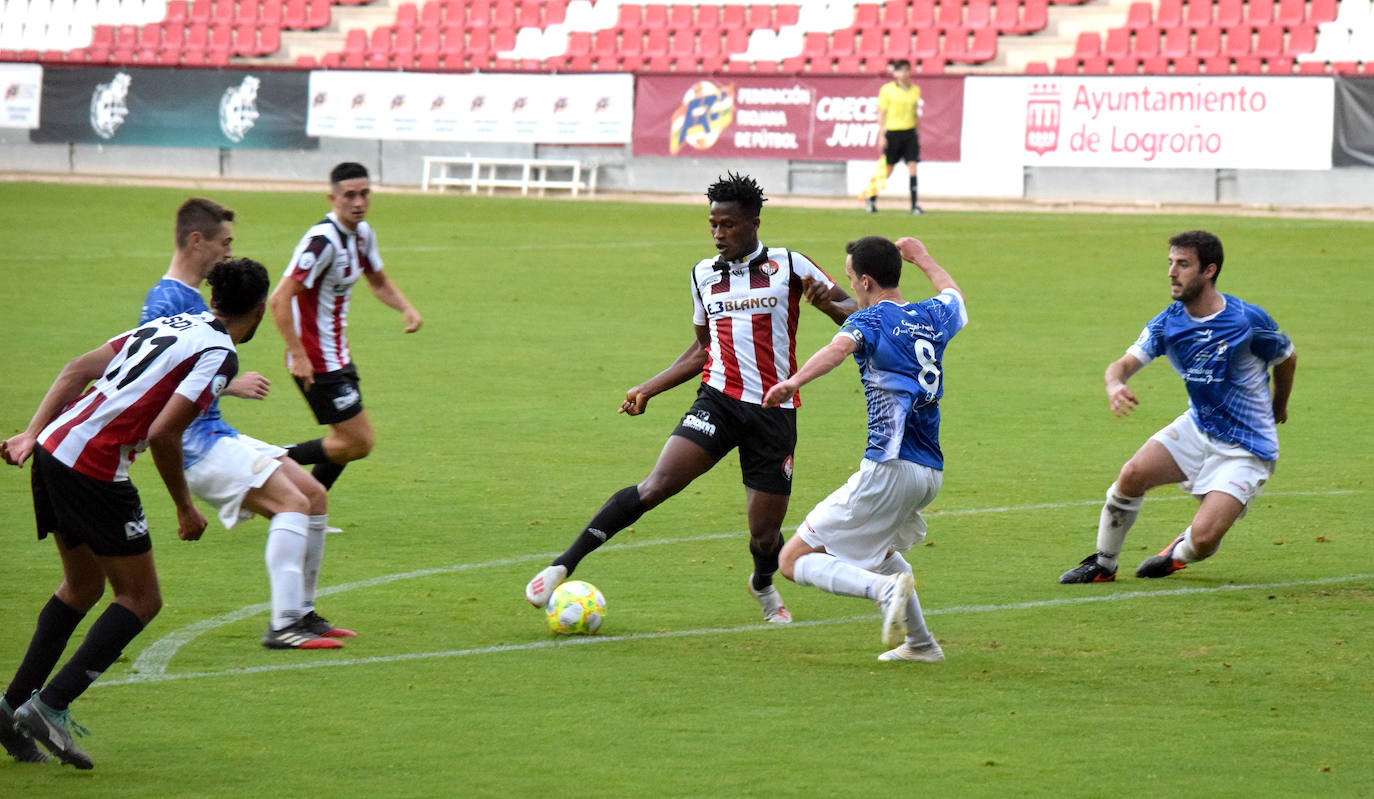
(152, 662)
(749, 628)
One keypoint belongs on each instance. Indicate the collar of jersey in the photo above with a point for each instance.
(754, 259)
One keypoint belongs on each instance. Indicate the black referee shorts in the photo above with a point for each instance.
(766, 437)
(902, 145)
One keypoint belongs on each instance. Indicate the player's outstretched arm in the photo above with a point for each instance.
(70, 382)
(687, 366)
(279, 303)
(392, 297)
(1283, 386)
(825, 359)
(1121, 399)
(914, 252)
(164, 441)
(833, 301)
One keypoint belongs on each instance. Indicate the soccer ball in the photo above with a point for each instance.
(576, 608)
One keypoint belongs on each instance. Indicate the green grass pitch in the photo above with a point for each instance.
(1247, 675)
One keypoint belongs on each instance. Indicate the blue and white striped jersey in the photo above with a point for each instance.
(1224, 360)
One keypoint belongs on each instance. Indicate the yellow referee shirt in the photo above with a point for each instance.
(899, 105)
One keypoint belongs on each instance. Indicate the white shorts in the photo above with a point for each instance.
(233, 466)
(1210, 464)
(876, 510)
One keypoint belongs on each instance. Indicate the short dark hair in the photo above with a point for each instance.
(237, 286)
(199, 215)
(878, 258)
(1206, 245)
(901, 63)
(740, 189)
(348, 170)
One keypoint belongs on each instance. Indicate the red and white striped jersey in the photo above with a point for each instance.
(100, 432)
(752, 307)
(327, 262)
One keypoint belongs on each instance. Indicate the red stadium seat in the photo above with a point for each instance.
(631, 42)
(1291, 12)
(1140, 15)
(1207, 42)
(355, 41)
(245, 39)
(1066, 66)
(1186, 65)
(1097, 65)
(150, 37)
(306, 62)
(842, 43)
(1037, 68)
(380, 40)
(1323, 11)
(1034, 16)
(950, 14)
(1237, 42)
(198, 12)
(1301, 39)
(429, 42)
(736, 41)
(894, 14)
(1259, 12)
(1178, 42)
(1270, 42)
(1312, 68)
(1006, 15)
(708, 18)
(1345, 67)
(786, 15)
(176, 12)
(269, 41)
(732, 17)
(899, 45)
(1217, 65)
(978, 14)
(1155, 65)
(1145, 43)
(1117, 43)
(656, 43)
(926, 44)
(921, 15)
(407, 15)
(681, 16)
(869, 43)
(815, 44)
(1125, 65)
(1229, 13)
(126, 37)
(866, 16)
(684, 45)
(503, 14)
(1283, 65)
(1197, 13)
(983, 46)
(1089, 44)
(1169, 14)
(223, 12)
(317, 14)
(655, 16)
(249, 11)
(849, 65)
(478, 14)
(760, 16)
(1248, 65)
(294, 15)
(431, 15)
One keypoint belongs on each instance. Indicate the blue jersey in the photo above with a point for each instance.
(1224, 360)
(170, 297)
(900, 357)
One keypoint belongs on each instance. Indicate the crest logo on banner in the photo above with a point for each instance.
(109, 105)
(706, 111)
(238, 109)
(1042, 118)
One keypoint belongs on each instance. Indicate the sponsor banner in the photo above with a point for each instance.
(22, 85)
(1353, 142)
(805, 118)
(227, 108)
(534, 109)
(1234, 122)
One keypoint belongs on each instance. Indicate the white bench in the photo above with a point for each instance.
(513, 173)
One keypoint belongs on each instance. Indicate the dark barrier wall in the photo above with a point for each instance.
(175, 108)
(1352, 138)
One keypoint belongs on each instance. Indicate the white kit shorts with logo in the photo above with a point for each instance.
(1210, 464)
(876, 510)
(233, 466)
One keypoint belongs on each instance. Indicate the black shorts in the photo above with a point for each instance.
(766, 437)
(334, 396)
(81, 510)
(902, 145)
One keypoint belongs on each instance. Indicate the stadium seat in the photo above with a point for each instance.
(894, 14)
(1207, 42)
(815, 44)
(983, 46)
(1237, 42)
(926, 44)
(950, 15)
(869, 43)
(1248, 65)
(1177, 43)
(842, 43)
(786, 15)
(1089, 44)
(978, 14)
(1312, 68)
(1291, 12)
(955, 45)
(1125, 65)
(1117, 43)
(1066, 66)
(656, 43)
(898, 46)
(866, 16)
(761, 16)
(245, 39)
(1216, 65)
(1155, 65)
(1037, 68)
(294, 15)
(1140, 15)
(1229, 13)
(1169, 14)
(1097, 65)
(1323, 11)
(503, 14)
(631, 42)
(198, 12)
(1302, 39)
(1197, 13)
(1145, 43)
(1259, 12)
(1283, 65)
(1185, 65)
(732, 17)
(708, 18)
(269, 41)
(1269, 44)
(1034, 16)
(1006, 15)
(317, 14)
(1345, 67)
(921, 15)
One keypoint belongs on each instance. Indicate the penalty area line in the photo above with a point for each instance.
(749, 628)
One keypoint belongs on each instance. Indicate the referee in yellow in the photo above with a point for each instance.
(899, 117)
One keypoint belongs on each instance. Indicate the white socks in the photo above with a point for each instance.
(314, 556)
(830, 574)
(1187, 551)
(1118, 514)
(286, 546)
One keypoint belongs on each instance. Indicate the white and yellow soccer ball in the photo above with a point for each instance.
(576, 608)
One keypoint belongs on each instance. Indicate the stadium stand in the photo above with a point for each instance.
(824, 36)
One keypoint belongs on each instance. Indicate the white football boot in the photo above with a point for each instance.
(926, 653)
(538, 590)
(774, 611)
(893, 601)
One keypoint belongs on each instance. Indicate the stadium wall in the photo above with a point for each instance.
(993, 138)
